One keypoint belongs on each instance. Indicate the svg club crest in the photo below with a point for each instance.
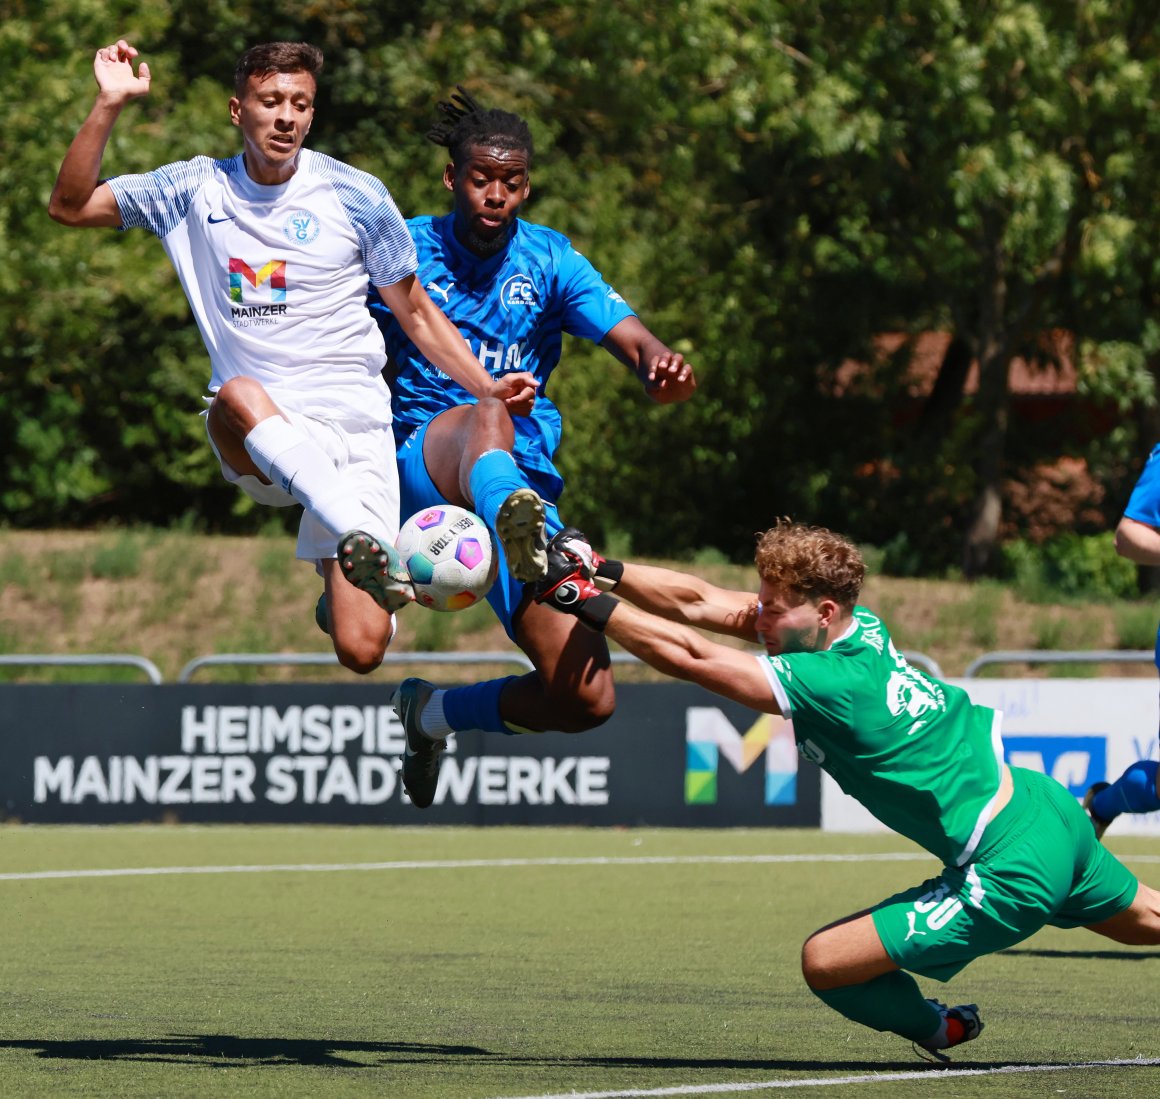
(301, 227)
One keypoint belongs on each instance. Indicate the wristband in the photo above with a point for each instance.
(608, 574)
(596, 611)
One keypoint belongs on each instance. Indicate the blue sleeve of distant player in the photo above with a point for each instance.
(1144, 504)
(591, 307)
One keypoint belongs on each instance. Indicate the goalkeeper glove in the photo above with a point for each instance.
(567, 586)
(605, 574)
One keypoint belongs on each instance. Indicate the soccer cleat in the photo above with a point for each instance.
(421, 753)
(1098, 823)
(320, 614)
(374, 567)
(519, 524)
(960, 1024)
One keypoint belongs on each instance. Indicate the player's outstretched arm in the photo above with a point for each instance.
(663, 372)
(79, 198)
(684, 654)
(671, 648)
(1138, 542)
(441, 342)
(675, 596)
(681, 597)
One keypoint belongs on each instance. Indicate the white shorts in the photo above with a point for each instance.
(364, 455)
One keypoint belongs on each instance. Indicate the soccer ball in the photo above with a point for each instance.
(448, 552)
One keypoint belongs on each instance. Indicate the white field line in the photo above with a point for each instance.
(932, 1074)
(457, 864)
(476, 864)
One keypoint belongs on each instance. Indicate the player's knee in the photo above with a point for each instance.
(360, 652)
(239, 392)
(817, 967)
(586, 709)
(493, 422)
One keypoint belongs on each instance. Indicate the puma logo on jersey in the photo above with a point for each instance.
(434, 288)
(910, 920)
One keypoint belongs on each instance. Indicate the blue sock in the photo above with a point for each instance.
(1133, 792)
(494, 477)
(476, 707)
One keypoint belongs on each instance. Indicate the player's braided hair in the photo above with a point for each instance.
(463, 124)
(812, 561)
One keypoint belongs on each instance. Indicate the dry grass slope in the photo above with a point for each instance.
(172, 596)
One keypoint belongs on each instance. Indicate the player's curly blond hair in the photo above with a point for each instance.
(812, 561)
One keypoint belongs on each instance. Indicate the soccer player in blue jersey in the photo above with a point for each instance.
(513, 289)
(1017, 851)
(1137, 790)
(275, 248)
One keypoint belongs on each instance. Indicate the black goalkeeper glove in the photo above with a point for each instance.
(568, 587)
(605, 574)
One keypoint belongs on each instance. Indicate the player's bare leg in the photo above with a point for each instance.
(455, 441)
(1138, 924)
(360, 629)
(572, 689)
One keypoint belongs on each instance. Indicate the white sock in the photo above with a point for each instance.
(432, 722)
(292, 460)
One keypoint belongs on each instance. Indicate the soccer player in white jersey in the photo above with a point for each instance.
(1018, 851)
(276, 248)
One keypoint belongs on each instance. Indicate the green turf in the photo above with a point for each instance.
(497, 981)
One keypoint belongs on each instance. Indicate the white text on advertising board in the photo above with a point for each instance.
(309, 755)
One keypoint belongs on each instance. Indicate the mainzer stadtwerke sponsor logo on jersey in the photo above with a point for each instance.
(257, 296)
(519, 290)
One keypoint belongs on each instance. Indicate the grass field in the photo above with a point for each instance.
(428, 962)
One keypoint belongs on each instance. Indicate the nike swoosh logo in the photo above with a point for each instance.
(218, 221)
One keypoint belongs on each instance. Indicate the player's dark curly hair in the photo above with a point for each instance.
(812, 561)
(277, 57)
(464, 124)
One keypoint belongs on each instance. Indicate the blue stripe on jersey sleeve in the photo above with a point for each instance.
(158, 200)
(388, 251)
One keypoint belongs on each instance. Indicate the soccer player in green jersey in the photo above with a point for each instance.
(1018, 851)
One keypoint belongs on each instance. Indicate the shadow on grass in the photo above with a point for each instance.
(1098, 955)
(229, 1051)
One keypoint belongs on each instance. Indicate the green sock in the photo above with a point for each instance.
(890, 1002)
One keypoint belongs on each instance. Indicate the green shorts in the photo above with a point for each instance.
(1038, 863)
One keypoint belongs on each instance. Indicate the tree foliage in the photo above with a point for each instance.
(769, 184)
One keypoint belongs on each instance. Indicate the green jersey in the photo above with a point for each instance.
(915, 751)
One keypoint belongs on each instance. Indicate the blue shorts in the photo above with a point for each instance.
(418, 491)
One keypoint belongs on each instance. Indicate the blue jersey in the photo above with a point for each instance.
(1144, 503)
(513, 309)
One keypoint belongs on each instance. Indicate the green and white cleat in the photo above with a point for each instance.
(519, 524)
(374, 567)
(421, 753)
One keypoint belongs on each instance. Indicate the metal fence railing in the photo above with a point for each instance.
(83, 660)
(498, 656)
(1042, 656)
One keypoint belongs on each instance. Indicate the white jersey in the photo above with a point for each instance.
(277, 276)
